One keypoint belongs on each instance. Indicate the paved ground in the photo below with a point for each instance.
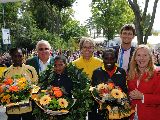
(3, 115)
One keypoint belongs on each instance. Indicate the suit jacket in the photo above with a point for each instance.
(35, 62)
(150, 109)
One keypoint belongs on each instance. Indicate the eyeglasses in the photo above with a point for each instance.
(41, 49)
(90, 47)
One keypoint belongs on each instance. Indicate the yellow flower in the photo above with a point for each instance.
(63, 102)
(117, 94)
(1, 95)
(34, 97)
(45, 100)
(108, 108)
(101, 86)
(23, 79)
(35, 89)
(44, 91)
(6, 99)
(22, 86)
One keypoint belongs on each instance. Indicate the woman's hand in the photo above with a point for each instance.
(136, 94)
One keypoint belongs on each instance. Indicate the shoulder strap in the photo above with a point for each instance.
(116, 51)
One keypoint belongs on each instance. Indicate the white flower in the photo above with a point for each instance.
(91, 88)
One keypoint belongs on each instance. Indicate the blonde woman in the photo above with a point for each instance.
(144, 85)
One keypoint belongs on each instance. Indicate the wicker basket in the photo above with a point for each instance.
(54, 113)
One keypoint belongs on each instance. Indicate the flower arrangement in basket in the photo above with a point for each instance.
(15, 90)
(111, 98)
(53, 100)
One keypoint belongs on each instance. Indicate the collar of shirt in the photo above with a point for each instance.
(110, 73)
(123, 58)
(85, 60)
(43, 66)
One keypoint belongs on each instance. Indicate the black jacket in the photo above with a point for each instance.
(119, 78)
(62, 80)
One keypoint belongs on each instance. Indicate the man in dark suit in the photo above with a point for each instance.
(44, 57)
(109, 72)
(125, 50)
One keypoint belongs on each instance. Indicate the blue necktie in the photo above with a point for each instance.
(121, 58)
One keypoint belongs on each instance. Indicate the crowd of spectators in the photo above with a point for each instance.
(5, 59)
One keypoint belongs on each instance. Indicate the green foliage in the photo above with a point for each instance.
(38, 34)
(110, 16)
(9, 17)
(44, 16)
(72, 29)
(38, 19)
(60, 4)
(59, 23)
(80, 92)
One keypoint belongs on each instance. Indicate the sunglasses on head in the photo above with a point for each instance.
(41, 49)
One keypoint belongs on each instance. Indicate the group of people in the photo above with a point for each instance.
(130, 68)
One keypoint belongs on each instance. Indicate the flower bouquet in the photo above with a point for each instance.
(15, 90)
(111, 98)
(53, 100)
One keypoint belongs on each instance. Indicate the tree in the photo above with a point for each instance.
(140, 20)
(50, 14)
(10, 19)
(33, 20)
(110, 15)
(57, 19)
(60, 4)
(73, 30)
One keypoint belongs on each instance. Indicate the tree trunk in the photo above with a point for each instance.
(139, 20)
(152, 21)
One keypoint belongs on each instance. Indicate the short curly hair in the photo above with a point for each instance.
(84, 39)
(128, 27)
(43, 42)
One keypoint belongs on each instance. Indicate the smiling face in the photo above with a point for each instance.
(109, 60)
(127, 36)
(17, 57)
(142, 58)
(43, 52)
(59, 66)
(87, 50)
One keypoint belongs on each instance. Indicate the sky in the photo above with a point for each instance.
(82, 11)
